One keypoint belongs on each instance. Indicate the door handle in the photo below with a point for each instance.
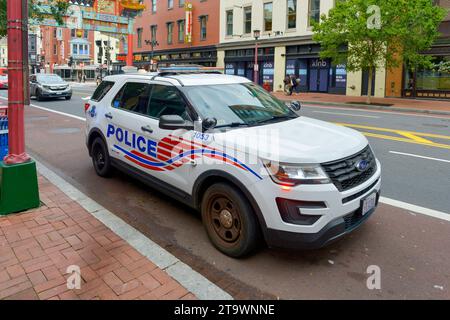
(108, 115)
(147, 129)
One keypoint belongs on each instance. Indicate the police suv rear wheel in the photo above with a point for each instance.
(100, 158)
(229, 220)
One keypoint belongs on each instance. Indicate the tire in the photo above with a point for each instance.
(229, 221)
(100, 158)
(38, 95)
(68, 97)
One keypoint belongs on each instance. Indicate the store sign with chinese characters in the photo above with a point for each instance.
(188, 28)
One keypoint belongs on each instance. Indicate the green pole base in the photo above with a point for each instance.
(19, 189)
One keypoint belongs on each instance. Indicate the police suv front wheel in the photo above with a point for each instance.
(100, 158)
(229, 220)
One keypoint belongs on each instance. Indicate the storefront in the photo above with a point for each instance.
(205, 56)
(430, 82)
(241, 62)
(315, 74)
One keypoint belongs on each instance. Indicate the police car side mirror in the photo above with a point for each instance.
(296, 105)
(174, 122)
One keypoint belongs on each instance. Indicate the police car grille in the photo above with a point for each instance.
(344, 173)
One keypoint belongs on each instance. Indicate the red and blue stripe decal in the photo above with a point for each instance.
(187, 150)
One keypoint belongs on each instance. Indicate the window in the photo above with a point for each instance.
(181, 30)
(74, 49)
(153, 6)
(229, 20)
(86, 34)
(170, 4)
(291, 14)
(248, 20)
(139, 37)
(314, 11)
(181, 3)
(54, 33)
(203, 20)
(153, 32)
(268, 8)
(133, 97)
(102, 90)
(169, 32)
(167, 100)
(72, 33)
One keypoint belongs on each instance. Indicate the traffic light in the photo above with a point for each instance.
(100, 54)
(70, 61)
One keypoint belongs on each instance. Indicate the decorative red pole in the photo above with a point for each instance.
(17, 13)
(19, 190)
(130, 50)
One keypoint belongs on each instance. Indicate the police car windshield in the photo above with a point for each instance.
(233, 104)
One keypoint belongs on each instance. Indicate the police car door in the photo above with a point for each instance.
(172, 152)
(128, 131)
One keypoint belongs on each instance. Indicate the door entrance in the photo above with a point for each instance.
(319, 71)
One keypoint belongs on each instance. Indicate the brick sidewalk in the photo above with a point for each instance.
(396, 103)
(37, 246)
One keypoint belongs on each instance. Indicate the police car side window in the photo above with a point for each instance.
(133, 96)
(167, 100)
(102, 90)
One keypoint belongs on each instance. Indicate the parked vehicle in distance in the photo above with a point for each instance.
(3, 71)
(44, 85)
(182, 132)
(3, 82)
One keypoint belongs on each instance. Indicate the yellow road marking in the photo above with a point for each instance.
(414, 137)
(383, 136)
(408, 136)
(429, 135)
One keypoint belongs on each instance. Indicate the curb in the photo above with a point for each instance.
(374, 107)
(193, 281)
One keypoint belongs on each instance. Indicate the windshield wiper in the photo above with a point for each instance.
(276, 118)
(232, 125)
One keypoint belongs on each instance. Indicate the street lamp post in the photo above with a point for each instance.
(153, 43)
(256, 34)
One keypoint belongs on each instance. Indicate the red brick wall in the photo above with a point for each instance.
(164, 15)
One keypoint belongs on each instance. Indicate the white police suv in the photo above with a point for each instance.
(253, 166)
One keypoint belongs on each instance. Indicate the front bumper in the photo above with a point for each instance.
(338, 209)
(327, 235)
(56, 94)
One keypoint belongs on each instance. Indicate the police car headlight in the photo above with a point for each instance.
(295, 174)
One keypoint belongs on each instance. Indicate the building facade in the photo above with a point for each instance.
(425, 83)
(176, 31)
(285, 46)
(62, 44)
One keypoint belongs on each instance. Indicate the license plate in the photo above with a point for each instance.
(369, 203)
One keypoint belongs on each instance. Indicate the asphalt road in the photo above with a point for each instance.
(411, 249)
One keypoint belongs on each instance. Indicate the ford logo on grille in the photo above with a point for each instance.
(362, 165)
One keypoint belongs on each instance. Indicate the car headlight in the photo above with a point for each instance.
(46, 87)
(295, 174)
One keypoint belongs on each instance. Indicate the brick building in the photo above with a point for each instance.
(59, 44)
(160, 33)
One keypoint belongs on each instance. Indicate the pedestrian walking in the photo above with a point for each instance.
(288, 85)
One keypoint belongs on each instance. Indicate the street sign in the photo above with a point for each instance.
(188, 24)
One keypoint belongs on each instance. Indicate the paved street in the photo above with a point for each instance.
(410, 248)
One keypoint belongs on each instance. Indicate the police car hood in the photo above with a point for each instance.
(301, 140)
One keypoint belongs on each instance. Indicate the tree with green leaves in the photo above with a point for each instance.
(58, 8)
(379, 34)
